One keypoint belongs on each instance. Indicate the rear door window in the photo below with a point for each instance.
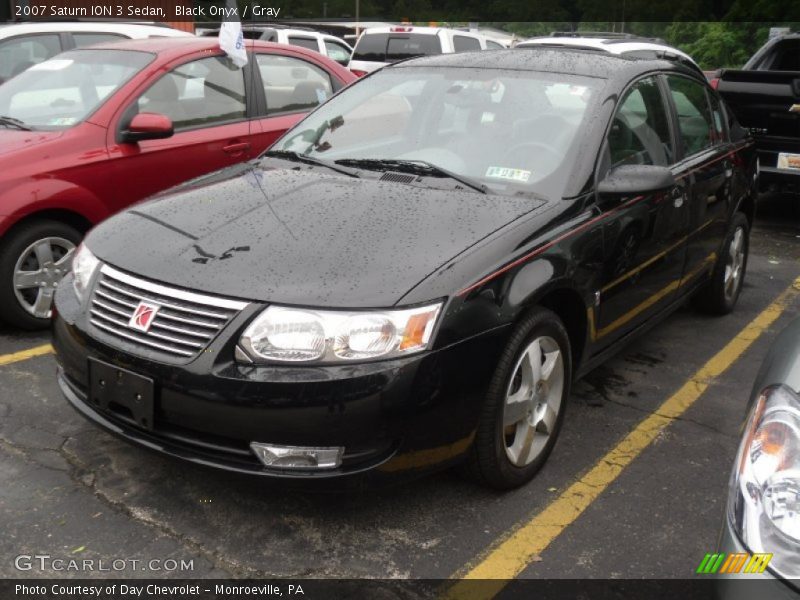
(291, 84)
(304, 42)
(694, 117)
(87, 39)
(410, 45)
(337, 52)
(718, 117)
(371, 47)
(463, 43)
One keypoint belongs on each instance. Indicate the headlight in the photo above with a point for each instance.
(84, 264)
(281, 334)
(764, 503)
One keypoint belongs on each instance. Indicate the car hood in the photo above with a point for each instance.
(14, 140)
(301, 236)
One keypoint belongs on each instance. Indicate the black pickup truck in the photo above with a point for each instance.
(765, 97)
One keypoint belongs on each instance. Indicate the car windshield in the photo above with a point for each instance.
(509, 131)
(63, 91)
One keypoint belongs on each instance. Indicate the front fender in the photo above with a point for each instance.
(39, 195)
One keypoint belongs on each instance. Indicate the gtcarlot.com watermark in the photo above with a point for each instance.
(46, 562)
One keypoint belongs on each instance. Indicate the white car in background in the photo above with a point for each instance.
(616, 44)
(379, 46)
(327, 45)
(23, 45)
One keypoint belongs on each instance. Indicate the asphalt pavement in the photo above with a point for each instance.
(71, 491)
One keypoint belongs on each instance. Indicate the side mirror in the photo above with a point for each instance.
(148, 126)
(633, 180)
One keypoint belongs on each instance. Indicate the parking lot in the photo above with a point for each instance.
(651, 507)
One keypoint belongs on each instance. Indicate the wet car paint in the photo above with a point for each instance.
(560, 253)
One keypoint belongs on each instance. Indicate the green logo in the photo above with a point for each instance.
(740, 562)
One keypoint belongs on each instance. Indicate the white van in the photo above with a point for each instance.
(379, 46)
(23, 45)
(327, 45)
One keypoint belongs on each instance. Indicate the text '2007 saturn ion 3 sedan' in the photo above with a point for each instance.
(413, 275)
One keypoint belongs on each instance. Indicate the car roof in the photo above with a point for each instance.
(152, 29)
(573, 60)
(406, 28)
(170, 48)
(616, 46)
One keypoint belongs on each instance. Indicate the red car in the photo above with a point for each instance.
(91, 131)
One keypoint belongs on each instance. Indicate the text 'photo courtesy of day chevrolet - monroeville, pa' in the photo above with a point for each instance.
(399, 300)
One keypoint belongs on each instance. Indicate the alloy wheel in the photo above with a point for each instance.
(38, 271)
(734, 263)
(533, 401)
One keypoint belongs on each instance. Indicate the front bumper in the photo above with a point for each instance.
(394, 418)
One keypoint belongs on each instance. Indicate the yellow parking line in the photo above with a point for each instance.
(515, 551)
(7, 359)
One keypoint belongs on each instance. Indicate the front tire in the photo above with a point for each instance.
(720, 295)
(33, 258)
(525, 403)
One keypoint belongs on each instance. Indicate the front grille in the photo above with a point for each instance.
(184, 325)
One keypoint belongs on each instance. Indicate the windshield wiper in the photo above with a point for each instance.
(311, 160)
(11, 121)
(418, 167)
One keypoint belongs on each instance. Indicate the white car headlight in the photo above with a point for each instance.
(281, 334)
(764, 503)
(84, 264)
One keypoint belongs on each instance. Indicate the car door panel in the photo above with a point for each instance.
(207, 102)
(708, 167)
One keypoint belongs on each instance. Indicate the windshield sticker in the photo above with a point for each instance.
(62, 121)
(511, 174)
(56, 64)
(321, 95)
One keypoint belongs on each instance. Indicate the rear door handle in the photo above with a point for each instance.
(236, 148)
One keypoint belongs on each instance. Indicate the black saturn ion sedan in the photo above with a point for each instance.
(413, 275)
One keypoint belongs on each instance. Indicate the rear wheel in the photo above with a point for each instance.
(525, 404)
(719, 296)
(33, 259)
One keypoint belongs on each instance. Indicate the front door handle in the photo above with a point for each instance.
(236, 148)
(677, 197)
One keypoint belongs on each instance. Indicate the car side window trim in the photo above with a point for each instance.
(725, 135)
(666, 107)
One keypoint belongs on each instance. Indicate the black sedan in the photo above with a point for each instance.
(414, 274)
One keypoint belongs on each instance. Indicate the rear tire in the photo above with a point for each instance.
(525, 403)
(33, 258)
(719, 296)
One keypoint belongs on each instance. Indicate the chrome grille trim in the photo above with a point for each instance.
(130, 294)
(173, 292)
(166, 338)
(184, 325)
(141, 341)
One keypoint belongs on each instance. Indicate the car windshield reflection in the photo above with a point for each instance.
(511, 131)
(61, 92)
